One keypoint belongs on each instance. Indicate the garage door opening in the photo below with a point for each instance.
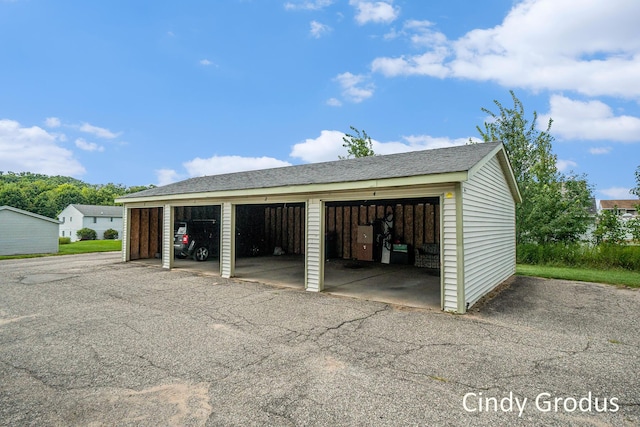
(196, 237)
(385, 250)
(270, 243)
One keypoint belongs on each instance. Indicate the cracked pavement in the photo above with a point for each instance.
(88, 340)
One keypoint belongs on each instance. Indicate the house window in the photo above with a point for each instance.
(70, 218)
(63, 220)
(95, 219)
(63, 233)
(111, 219)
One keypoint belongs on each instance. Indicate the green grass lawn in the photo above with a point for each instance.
(612, 276)
(82, 247)
(86, 246)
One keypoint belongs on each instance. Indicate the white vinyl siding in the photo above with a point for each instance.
(125, 234)
(449, 253)
(314, 270)
(22, 233)
(489, 231)
(227, 242)
(167, 231)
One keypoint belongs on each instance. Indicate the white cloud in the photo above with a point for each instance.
(429, 63)
(600, 150)
(318, 29)
(328, 146)
(374, 11)
(217, 165)
(334, 102)
(426, 142)
(590, 120)
(308, 5)
(52, 122)
(565, 165)
(593, 49)
(33, 149)
(354, 87)
(205, 62)
(88, 146)
(167, 176)
(616, 193)
(98, 131)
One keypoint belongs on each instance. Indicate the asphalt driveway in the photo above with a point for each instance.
(88, 340)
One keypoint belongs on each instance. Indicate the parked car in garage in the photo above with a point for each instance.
(198, 239)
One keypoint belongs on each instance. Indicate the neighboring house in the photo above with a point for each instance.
(98, 218)
(23, 232)
(624, 208)
(462, 199)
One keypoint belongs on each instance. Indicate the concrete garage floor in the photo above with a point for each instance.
(404, 285)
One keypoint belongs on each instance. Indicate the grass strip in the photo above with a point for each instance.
(82, 247)
(612, 276)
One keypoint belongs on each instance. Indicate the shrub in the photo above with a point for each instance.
(603, 256)
(64, 240)
(110, 234)
(86, 234)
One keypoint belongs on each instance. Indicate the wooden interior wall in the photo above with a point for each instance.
(197, 212)
(284, 227)
(145, 232)
(414, 223)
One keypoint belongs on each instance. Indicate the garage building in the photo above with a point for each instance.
(457, 203)
(23, 232)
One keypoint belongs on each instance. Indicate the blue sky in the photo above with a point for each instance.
(151, 92)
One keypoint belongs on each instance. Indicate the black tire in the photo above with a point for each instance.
(201, 253)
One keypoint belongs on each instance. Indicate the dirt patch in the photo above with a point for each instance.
(167, 404)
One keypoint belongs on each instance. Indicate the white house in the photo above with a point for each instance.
(23, 232)
(98, 218)
(627, 208)
(460, 199)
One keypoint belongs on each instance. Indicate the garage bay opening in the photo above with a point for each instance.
(384, 250)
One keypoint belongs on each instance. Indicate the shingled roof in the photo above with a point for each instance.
(415, 163)
(99, 211)
(620, 204)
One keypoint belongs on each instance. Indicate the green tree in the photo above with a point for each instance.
(633, 226)
(49, 195)
(66, 194)
(554, 207)
(13, 195)
(636, 190)
(609, 228)
(358, 145)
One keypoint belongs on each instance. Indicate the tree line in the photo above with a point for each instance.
(49, 195)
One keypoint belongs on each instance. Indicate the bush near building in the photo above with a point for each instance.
(87, 234)
(110, 234)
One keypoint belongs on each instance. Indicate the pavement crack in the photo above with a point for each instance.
(358, 320)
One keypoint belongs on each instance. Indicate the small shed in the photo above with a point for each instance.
(96, 217)
(458, 203)
(23, 232)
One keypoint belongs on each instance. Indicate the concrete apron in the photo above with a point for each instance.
(404, 285)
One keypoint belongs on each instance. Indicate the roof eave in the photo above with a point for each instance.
(432, 179)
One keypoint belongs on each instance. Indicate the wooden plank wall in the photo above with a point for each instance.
(284, 226)
(414, 223)
(145, 232)
(197, 212)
